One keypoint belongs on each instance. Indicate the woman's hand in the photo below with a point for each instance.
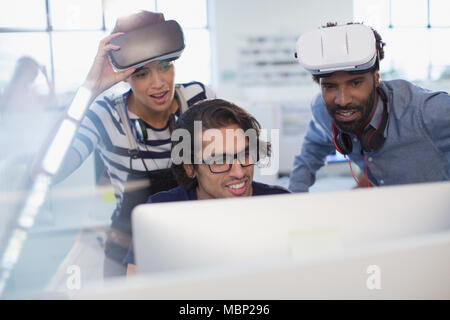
(102, 76)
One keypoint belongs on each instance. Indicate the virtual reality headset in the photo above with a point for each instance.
(349, 47)
(162, 41)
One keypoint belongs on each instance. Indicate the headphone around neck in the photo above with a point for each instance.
(139, 127)
(372, 138)
(140, 130)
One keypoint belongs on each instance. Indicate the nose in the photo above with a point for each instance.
(343, 97)
(236, 171)
(156, 80)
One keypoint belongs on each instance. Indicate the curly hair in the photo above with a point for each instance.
(213, 114)
(378, 43)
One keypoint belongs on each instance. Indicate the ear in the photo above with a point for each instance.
(377, 78)
(189, 169)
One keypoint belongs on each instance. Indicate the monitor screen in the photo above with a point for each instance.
(415, 267)
(336, 157)
(291, 227)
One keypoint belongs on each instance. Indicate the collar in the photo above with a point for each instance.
(192, 193)
(377, 115)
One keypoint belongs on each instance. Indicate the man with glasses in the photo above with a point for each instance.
(219, 160)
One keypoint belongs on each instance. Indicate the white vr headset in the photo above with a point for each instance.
(162, 41)
(349, 47)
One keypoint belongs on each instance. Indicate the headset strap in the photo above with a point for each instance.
(181, 100)
(134, 150)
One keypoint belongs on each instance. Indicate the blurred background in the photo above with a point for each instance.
(243, 49)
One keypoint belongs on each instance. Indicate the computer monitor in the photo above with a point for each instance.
(414, 267)
(336, 157)
(198, 235)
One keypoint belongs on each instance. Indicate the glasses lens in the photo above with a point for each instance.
(219, 168)
(223, 163)
(247, 157)
(217, 164)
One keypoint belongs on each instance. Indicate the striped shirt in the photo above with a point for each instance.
(102, 129)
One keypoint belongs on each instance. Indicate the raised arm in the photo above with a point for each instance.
(316, 146)
(100, 78)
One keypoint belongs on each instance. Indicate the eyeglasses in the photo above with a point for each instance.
(224, 162)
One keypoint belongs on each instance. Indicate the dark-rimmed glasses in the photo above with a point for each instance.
(224, 162)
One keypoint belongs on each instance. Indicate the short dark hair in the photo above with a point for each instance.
(380, 49)
(214, 114)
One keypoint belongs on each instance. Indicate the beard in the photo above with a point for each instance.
(365, 109)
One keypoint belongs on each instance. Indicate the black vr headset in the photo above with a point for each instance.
(162, 41)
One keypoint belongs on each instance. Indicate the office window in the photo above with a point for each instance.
(409, 13)
(116, 8)
(74, 27)
(400, 60)
(197, 50)
(439, 11)
(439, 53)
(415, 33)
(176, 10)
(15, 45)
(27, 14)
(76, 14)
(60, 38)
(372, 12)
(73, 56)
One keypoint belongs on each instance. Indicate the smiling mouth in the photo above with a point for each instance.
(238, 189)
(237, 186)
(346, 115)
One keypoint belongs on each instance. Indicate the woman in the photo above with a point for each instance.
(150, 106)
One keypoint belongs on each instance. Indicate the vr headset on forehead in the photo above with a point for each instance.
(349, 47)
(163, 41)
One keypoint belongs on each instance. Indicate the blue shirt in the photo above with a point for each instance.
(416, 148)
(180, 194)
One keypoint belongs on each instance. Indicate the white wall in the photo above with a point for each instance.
(232, 20)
